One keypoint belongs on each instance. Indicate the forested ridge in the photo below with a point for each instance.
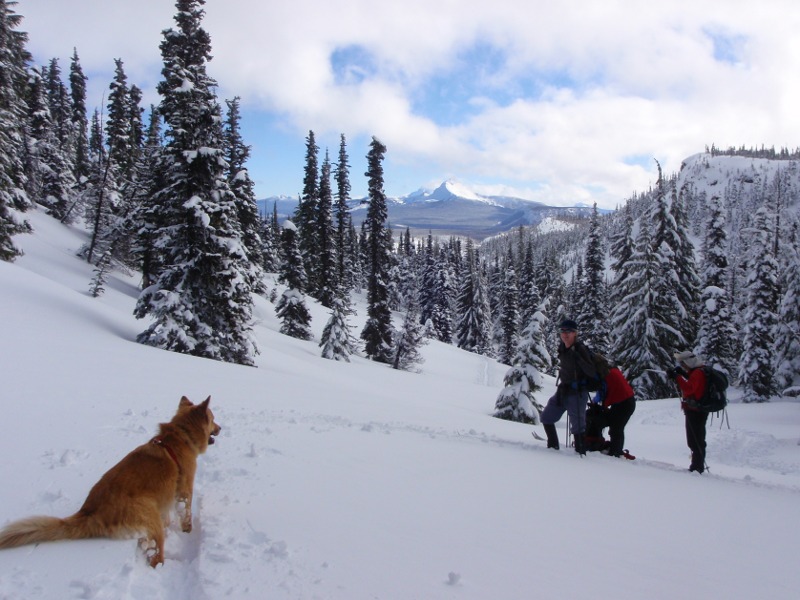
(707, 259)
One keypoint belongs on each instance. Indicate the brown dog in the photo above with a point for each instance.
(135, 496)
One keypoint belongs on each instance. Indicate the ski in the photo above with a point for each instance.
(538, 437)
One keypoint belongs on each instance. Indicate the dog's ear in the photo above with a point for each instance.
(185, 402)
(204, 404)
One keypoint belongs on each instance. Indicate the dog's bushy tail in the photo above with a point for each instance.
(34, 530)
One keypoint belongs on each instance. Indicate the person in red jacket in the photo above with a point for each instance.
(612, 407)
(692, 382)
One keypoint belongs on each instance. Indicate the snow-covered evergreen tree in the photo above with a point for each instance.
(639, 347)
(473, 328)
(291, 308)
(305, 216)
(118, 125)
(787, 337)
(517, 400)
(756, 364)
(80, 123)
(325, 260)
(236, 154)
(377, 333)
(337, 342)
(716, 329)
(410, 338)
(509, 314)
(201, 303)
(343, 221)
(50, 178)
(13, 111)
(594, 314)
(688, 292)
(669, 314)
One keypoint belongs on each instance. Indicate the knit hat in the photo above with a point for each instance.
(568, 325)
(689, 358)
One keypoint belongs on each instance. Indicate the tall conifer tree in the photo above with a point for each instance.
(201, 303)
(716, 329)
(14, 60)
(326, 268)
(237, 154)
(377, 333)
(756, 364)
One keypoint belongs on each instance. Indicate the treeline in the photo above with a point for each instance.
(763, 152)
(166, 192)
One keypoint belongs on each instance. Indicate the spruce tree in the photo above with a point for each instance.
(756, 364)
(670, 315)
(517, 400)
(337, 341)
(291, 308)
(325, 260)
(639, 348)
(145, 218)
(343, 221)
(377, 332)
(201, 303)
(509, 313)
(14, 59)
(80, 123)
(473, 327)
(237, 154)
(118, 124)
(688, 292)
(406, 354)
(270, 236)
(716, 329)
(441, 311)
(787, 337)
(593, 317)
(50, 178)
(305, 217)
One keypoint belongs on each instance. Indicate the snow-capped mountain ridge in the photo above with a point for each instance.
(452, 208)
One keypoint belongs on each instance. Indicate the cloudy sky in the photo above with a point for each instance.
(560, 102)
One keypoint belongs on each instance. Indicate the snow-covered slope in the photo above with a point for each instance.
(353, 481)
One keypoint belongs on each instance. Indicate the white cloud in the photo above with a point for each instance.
(577, 87)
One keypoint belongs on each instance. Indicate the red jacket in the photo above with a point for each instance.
(617, 388)
(692, 388)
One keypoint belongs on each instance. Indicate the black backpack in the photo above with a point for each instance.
(602, 366)
(714, 398)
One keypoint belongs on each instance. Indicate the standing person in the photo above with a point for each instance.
(575, 370)
(612, 407)
(692, 382)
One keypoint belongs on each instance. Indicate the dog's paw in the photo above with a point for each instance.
(151, 553)
(186, 527)
(156, 560)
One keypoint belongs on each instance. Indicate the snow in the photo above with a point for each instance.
(549, 224)
(353, 481)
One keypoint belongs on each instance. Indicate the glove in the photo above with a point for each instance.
(673, 372)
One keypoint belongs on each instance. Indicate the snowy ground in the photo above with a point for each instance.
(354, 481)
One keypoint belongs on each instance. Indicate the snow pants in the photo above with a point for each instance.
(572, 402)
(696, 437)
(615, 417)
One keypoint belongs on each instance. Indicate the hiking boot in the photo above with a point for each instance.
(552, 436)
(580, 444)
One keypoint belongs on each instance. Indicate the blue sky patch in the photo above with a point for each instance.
(728, 48)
